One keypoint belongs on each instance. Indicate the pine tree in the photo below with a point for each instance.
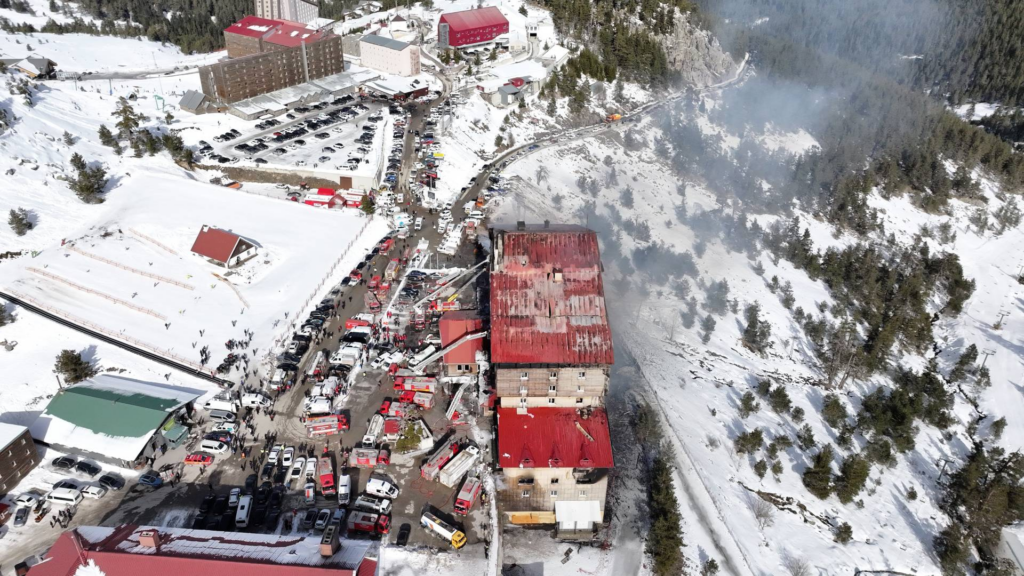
(757, 333)
(366, 204)
(748, 404)
(68, 138)
(833, 411)
(522, 9)
(73, 368)
(853, 473)
(707, 325)
(844, 533)
(19, 221)
(818, 477)
(665, 538)
(106, 137)
(5, 316)
(128, 120)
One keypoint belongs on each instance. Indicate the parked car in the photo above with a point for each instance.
(151, 480)
(310, 518)
(323, 518)
(64, 463)
(87, 468)
(21, 517)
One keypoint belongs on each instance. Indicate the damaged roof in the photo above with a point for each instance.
(553, 438)
(547, 298)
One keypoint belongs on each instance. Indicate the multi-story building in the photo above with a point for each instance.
(455, 326)
(389, 56)
(551, 352)
(17, 457)
(294, 10)
(268, 55)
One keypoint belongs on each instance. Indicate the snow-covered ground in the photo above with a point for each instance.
(698, 386)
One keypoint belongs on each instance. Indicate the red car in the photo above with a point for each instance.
(198, 459)
(374, 283)
(356, 275)
(386, 245)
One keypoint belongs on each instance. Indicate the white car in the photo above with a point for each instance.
(275, 452)
(26, 500)
(300, 162)
(311, 467)
(233, 497)
(383, 487)
(300, 464)
(228, 427)
(287, 455)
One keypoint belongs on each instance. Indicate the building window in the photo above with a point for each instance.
(22, 441)
(522, 403)
(554, 493)
(553, 375)
(526, 493)
(552, 388)
(551, 400)
(582, 375)
(583, 493)
(524, 375)
(554, 480)
(579, 400)
(523, 390)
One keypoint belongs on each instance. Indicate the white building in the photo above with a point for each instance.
(399, 24)
(389, 56)
(301, 11)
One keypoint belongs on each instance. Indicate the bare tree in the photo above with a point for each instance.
(764, 511)
(796, 566)
(841, 353)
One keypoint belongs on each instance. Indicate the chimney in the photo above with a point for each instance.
(149, 539)
(520, 225)
(329, 542)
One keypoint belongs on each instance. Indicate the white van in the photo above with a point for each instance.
(344, 489)
(419, 224)
(221, 416)
(244, 509)
(255, 401)
(65, 497)
(372, 504)
(214, 446)
(95, 492)
(476, 214)
(221, 404)
(277, 380)
(382, 487)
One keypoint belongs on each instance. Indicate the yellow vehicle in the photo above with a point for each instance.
(454, 536)
(613, 118)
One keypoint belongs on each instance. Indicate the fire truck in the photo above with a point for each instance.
(391, 271)
(370, 523)
(394, 409)
(416, 384)
(371, 301)
(369, 457)
(432, 466)
(467, 495)
(421, 399)
(325, 474)
(457, 468)
(358, 320)
(326, 425)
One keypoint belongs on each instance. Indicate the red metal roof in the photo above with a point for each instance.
(547, 298)
(455, 325)
(215, 244)
(478, 18)
(195, 552)
(553, 438)
(280, 32)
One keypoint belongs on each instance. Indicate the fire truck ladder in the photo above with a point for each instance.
(418, 369)
(441, 289)
(455, 401)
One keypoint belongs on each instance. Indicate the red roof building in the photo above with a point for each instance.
(129, 550)
(553, 438)
(255, 35)
(454, 325)
(547, 298)
(222, 247)
(468, 27)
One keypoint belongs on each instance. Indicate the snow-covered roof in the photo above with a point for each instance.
(127, 550)
(555, 53)
(9, 433)
(396, 45)
(581, 514)
(109, 415)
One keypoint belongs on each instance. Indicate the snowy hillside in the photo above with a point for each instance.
(619, 185)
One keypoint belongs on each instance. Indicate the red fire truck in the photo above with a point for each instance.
(467, 495)
(325, 474)
(432, 466)
(421, 399)
(369, 457)
(371, 301)
(395, 409)
(370, 523)
(416, 384)
(326, 425)
(358, 320)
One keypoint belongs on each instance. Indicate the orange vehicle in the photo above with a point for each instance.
(198, 459)
(374, 283)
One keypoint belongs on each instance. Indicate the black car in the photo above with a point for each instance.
(309, 518)
(302, 338)
(250, 483)
(220, 506)
(268, 472)
(212, 520)
(273, 516)
(199, 522)
(227, 522)
(291, 358)
(288, 366)
(263, 493)
(280, 476)
(64, 463)
(87, 468)
(111, 482)
(66, 484)
(207, 504)
(403, 534)
(259, 514)
(260, 161)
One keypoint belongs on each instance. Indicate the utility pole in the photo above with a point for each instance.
(986, 352)
(999, 323)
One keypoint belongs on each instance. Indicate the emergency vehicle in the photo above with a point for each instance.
(432, 466)
(467, 495)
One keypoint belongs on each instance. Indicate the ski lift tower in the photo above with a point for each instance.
(159, 101)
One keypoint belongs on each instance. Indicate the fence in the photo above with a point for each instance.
(130, 269)
(117, 336)
(233, 289)
(334, 267)
(124, 303)
(152, 241)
